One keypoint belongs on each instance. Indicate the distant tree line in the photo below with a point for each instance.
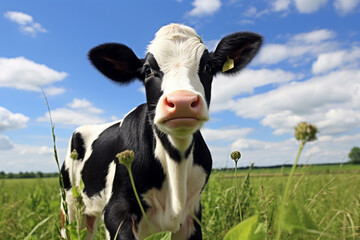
(27, 175)
(354, 155)
(354, 158)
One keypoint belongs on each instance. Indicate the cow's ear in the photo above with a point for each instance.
(116, 61)
(235, 51)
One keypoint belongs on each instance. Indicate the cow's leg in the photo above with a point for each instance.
(197, 234)
(70, 212)
(90, 222)
(189, 230)
(118, 221)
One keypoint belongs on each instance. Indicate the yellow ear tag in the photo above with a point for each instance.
(229, 64)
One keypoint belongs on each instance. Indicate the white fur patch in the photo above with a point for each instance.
(89, 133)
(171, 208)
(178, 51)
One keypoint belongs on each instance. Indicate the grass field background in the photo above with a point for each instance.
(329, 193)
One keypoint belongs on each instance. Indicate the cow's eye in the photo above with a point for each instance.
(148, 71)
(207, 68)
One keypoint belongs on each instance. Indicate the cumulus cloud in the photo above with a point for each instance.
(24, 74)
(342, 7)
(326, 149)
(27, 158)
(332, 60)
(316, 36)
(253, 12)
(309, 6)
(11, 121)
(225, 88)
(280, 5)
(204, 7)
(346, 6)
(224, 134)
(219, 142)
(327, 95)
(5, 143)
(330, 101)
(26, 22)
(79, 112)
(302, 45)
(52, 91)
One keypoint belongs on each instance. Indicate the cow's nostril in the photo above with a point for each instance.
(169, 103)
(195, 103)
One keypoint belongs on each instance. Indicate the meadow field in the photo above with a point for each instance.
(330, 194)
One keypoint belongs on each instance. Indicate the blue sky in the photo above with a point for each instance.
(307, 70)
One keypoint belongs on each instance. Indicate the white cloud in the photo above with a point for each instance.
(343, 7)
(26, 22)
(5, 143)
(24, 74)
(280, 5)
(45, 150)
(224, 134)
(309, 6)
(83, 104)
(332, 60)
(80, 112)
(316, 36)
(331, 102)
(250, 12)
(52, 91)
(264, 153)
(339, 120)
(19, 17)
(346, 6)
(253, 12)
(11, 121)
(204, 7)
(326, 149)
(225, 88)
(298, 47)
(28, 158)
(216, 138)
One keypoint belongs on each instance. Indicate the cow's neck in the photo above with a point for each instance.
(176, 170)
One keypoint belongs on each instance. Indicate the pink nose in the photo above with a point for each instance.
(182, 104)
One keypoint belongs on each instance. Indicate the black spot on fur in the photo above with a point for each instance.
(77, 143)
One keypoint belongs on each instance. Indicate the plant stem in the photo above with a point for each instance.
(138, 200)
(237, 192)
(287, 191)
(61, 180)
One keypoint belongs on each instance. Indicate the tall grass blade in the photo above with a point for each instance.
(36, 227)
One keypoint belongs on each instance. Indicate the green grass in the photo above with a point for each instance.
(26, 202)
(330, 194)
(310, 169)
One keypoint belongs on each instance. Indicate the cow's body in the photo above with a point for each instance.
(172, 162)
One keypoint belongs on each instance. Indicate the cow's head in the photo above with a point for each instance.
(177, 72)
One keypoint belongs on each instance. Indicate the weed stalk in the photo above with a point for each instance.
(126, 158)
(61, 180)
(236, 155)
(304, 133)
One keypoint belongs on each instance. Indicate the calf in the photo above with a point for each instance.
(172, 162)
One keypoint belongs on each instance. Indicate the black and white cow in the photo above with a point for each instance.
(172, 162)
